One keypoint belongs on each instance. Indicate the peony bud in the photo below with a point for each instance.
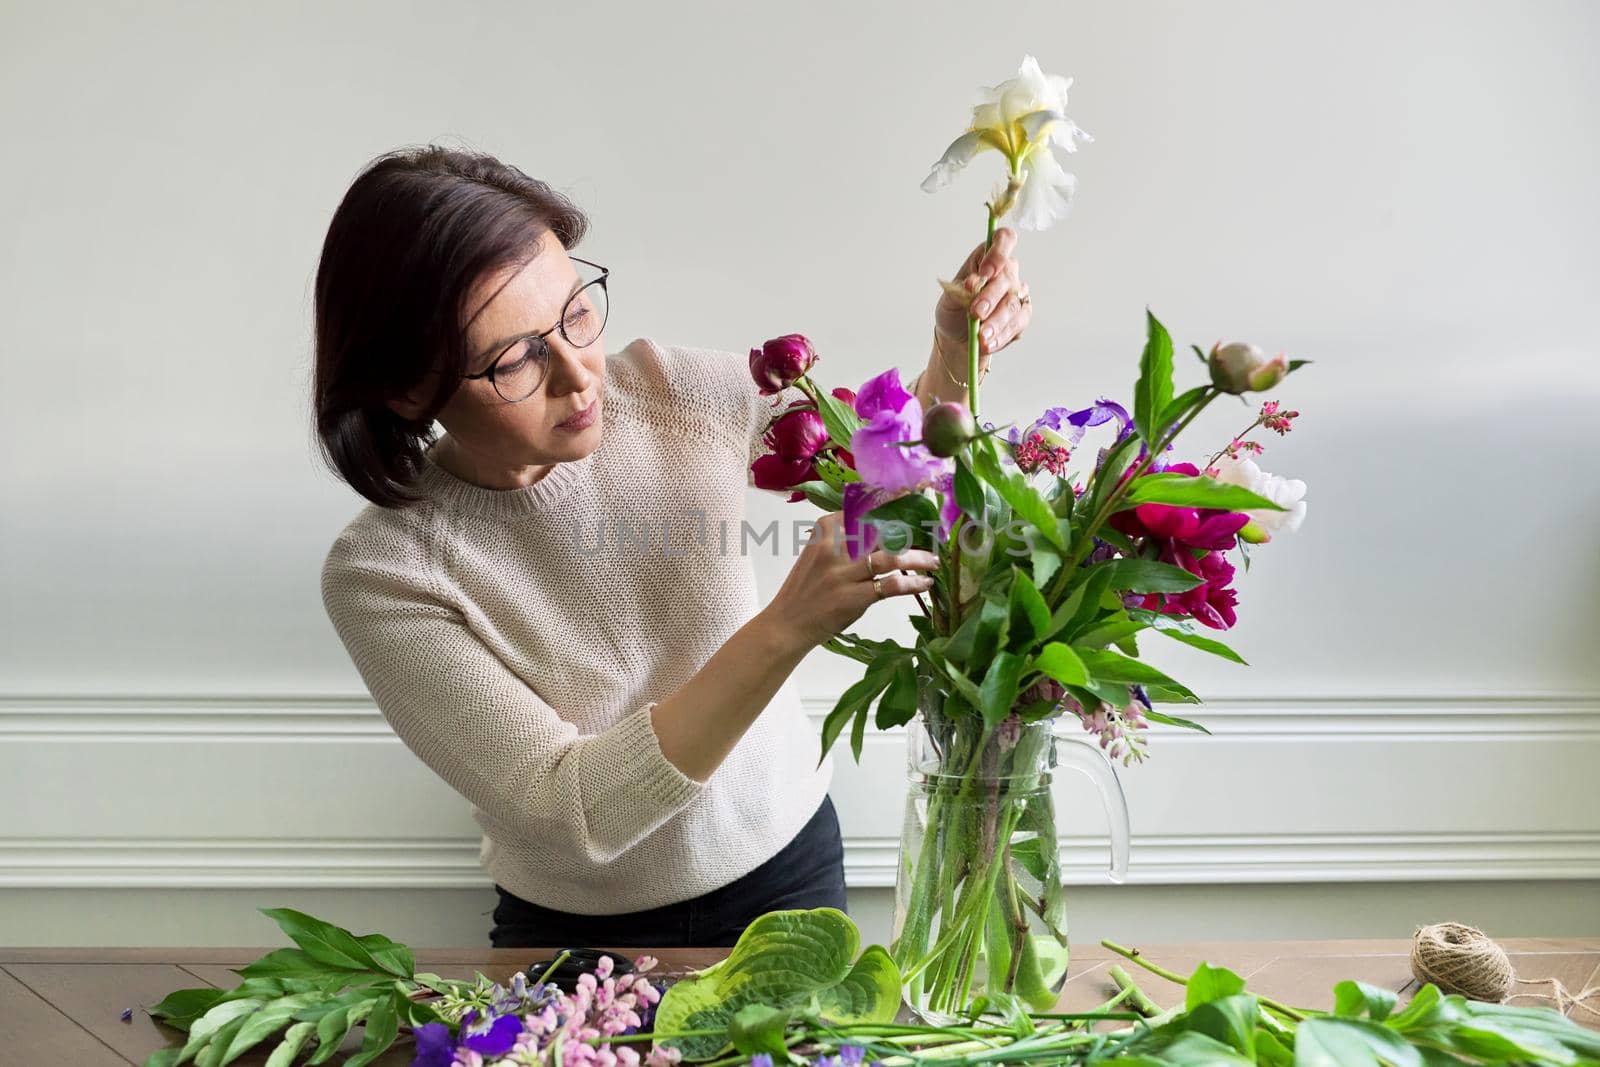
(1242, 368)
(778, 362)
(1254, 533)
(947, 428)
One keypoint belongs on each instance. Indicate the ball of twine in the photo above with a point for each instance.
(1463, 959)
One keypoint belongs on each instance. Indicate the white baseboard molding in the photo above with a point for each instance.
(1363, 788)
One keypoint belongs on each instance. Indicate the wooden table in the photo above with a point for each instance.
(63, 1005)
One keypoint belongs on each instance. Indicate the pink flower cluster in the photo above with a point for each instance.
(1035, 453)
(1275, 420)
(556, 1029)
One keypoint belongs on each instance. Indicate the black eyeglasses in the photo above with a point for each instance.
(520, 368)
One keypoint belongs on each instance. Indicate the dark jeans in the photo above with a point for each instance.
(808, 872)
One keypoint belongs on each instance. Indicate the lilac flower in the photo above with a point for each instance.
(852, 1055)
(761, 1059)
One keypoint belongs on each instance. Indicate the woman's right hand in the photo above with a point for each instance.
(826, 590)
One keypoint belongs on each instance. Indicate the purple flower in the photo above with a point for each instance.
(852, 1055)
(497, 1040)
(761, 1059)
(435, 1046)
(1076, 422)
(890, 414)
(887, 469)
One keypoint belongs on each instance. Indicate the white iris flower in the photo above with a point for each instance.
(1025, 120)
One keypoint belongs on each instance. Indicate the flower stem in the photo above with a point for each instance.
(972, 334)
(1172, 976)
(1113, 498)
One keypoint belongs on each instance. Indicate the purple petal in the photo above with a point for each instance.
(434, 1044)
(949, 511)
(860, 498)
(882, 462)
(500, 1039)
(885, 393)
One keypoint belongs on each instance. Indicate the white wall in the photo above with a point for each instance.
(1401, 192)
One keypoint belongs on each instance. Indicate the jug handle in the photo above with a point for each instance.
(1088, 760)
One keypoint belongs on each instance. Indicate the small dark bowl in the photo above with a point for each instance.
(579, 961)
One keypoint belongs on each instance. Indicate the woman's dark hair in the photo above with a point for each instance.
(417, 228)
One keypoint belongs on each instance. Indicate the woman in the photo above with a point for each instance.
(617, 710)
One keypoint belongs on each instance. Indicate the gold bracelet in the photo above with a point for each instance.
(983, 372)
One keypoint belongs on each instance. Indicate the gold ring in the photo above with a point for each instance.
(1022, 298)
(877, 585)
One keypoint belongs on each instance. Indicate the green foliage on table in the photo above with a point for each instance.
(1220, 1023)
(787, 965)
(333, 982)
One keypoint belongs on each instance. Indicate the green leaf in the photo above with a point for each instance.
(1330, 1042)
(1180, 407)
(1173, 720)
(760, 1028)
(182, 1007)
(1147, 576)
(899, 703)
(383, 1026)
(840, 420)
(836, 475)
(785, 959)
(905, 522)
(969, 494)
(860, 996)
(1106, 666)
(1029, 617)
(284, 963)
(1230, 1020)
(1081, 605)
(1022, 497)
(333, 1027)
(1153, 392)
(267, 1020)
(1200, 353)
(1046, 560)
(1193, 491)
(1108, 476)
(324, 942)
(822, 495)
(1178, 632)
(854, 701)
(998, 690)
(391, 956)
(1352, 999)
(1060, 662)
(1209, 983)
(294, 1040)
(211, 1024)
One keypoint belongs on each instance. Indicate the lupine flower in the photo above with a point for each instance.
(1208, 528)
(1120, 729)
(1024, 119)
(1288, 493)
(601, 1007)
(887, 469)
(779, 361)
(1241, 368)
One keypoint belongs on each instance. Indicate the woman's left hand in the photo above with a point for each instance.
(991, 283)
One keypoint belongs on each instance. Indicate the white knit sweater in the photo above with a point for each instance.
(518, 655)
